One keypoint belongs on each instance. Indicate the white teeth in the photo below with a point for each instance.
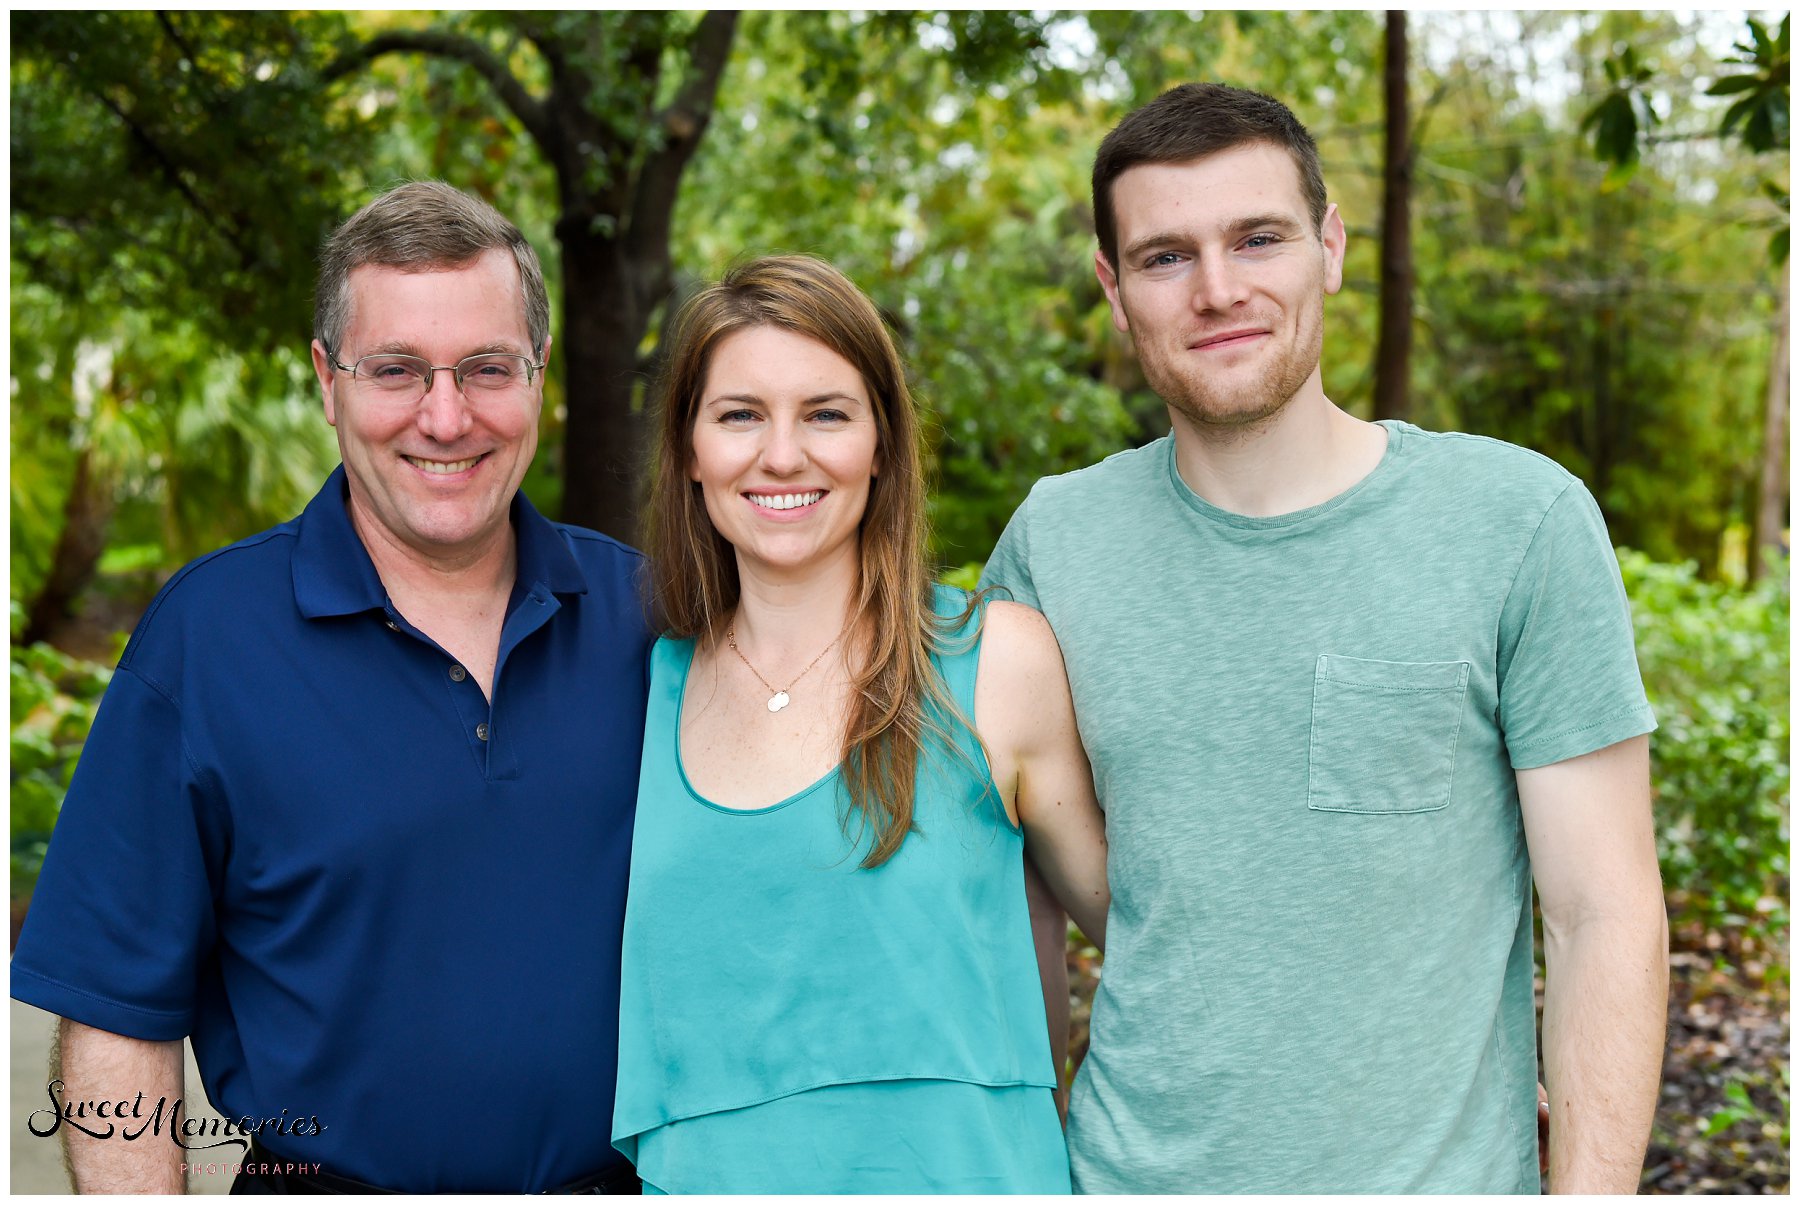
(788, 501)
(440, 467)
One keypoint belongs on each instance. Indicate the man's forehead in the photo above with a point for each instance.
(493, 266)
(1218, 190)
(391, 303)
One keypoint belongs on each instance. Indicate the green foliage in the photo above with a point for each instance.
(1624, 117)
(1621, 113)
(181, 163)
(1762, 105)
(54, 697)
(1759, 116)
(1619, 331)
(196, 444)
(1715, 663)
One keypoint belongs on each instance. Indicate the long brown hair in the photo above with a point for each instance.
(897, 700)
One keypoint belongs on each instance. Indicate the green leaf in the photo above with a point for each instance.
(1734, 83)
(1761, 34)
(1736, 114)
(1759, 131)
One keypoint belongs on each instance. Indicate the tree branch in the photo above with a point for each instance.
(527, 108)
(171, 172)
(683, 122)
(181, 44)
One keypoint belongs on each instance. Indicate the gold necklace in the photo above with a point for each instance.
(779, 698)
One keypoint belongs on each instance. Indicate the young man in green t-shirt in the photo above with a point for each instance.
(1348, 689)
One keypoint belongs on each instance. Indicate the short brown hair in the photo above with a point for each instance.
(897, 700)
(1191, 122)
(417, 225)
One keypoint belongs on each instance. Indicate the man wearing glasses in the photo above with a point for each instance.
(355, 813)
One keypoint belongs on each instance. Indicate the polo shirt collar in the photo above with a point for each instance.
(333, 574)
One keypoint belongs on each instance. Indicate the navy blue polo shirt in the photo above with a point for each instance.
(300, 833)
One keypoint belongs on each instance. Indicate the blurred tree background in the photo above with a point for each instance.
(1568, 230)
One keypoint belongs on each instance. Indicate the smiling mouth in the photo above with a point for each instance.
(786, 501)
(442, 468)
(1228, 339)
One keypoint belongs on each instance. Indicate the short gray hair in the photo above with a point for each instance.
(422, 224)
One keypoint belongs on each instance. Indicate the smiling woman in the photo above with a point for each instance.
(784, 451)
(829, 980)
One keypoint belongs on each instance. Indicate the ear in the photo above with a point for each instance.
(1109, 281)
(327, 380)
(1333, 238)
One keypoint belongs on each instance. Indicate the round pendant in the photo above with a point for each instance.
(778, 700)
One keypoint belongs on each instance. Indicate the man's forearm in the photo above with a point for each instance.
(1606, 1001)
(96, 1065)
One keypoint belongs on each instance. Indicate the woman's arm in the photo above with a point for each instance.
(1027, 720)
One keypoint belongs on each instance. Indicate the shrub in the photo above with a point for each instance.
(53, 701)
(1715, 663)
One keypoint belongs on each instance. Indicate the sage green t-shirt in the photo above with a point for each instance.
(1304, 730)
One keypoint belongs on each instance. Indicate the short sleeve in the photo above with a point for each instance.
(1010, 565)
(122, 917)
(1568, 672)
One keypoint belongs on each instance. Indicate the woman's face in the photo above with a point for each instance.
(784, 449)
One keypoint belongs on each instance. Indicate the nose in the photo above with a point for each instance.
(1218, 285)
(783, 449)
(443, 413)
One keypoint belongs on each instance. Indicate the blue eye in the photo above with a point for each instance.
(1256, 242)
(831, 416)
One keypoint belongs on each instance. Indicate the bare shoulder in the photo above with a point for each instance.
(1015, 633)
(1019, 653)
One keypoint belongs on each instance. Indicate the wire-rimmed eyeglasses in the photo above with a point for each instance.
(405, 379)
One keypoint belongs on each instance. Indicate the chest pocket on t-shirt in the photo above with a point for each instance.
(1384, 734)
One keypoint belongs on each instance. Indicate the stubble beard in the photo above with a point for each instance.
(1235, 413)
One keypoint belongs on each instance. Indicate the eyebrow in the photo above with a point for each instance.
(1278, 222)
(400, 347)
(815, 400)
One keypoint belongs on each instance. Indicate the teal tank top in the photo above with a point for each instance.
(782, 1005)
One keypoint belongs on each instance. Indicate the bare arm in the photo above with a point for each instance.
(1027, 720)
(96, 1065)
(1606, 951)
(1050, 934)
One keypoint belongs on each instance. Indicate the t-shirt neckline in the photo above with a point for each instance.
(1396, 431)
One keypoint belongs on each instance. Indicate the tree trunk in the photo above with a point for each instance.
(603, 326)
(1393, 355)
(1772, 499)
(86, 514)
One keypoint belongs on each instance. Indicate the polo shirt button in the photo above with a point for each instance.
(481, 732)
(392, 626)
(458, 673)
